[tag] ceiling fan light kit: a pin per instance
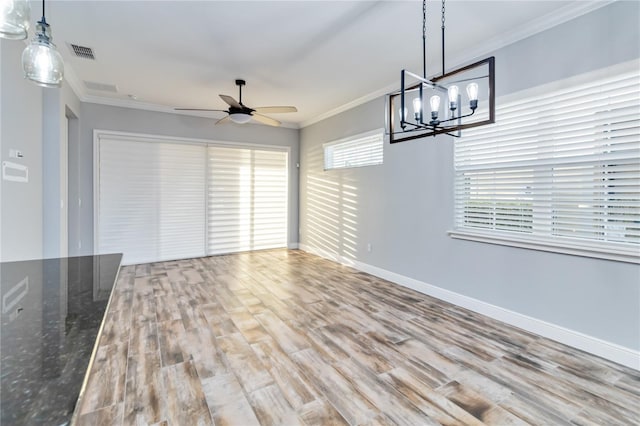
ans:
(14, 19)
(242, 114)
(240, 117)
(457, 113)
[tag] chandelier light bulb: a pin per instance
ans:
(453, 97)
(435, 103)
(417, 105)
(14, 19)
(472, 91)
(435, 106)
(417, 108)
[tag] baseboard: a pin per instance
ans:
(293, 246)
(602, 348)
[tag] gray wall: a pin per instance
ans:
(101, 117)
(404, 207)
(21, 117)
(57, 104)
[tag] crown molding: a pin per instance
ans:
(78, 88)
(535, 26)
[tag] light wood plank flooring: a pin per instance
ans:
(285, 337)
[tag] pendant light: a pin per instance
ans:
(14, 19)
(41, 61)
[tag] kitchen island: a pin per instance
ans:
(52, 311)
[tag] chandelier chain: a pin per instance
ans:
(424, 18)
(424, 38)
(443, 67)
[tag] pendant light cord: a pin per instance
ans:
(443, 37)
(43, 20)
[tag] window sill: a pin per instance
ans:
(621, 253)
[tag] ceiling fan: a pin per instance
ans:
(240, 113)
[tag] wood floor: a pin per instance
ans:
(285, 337)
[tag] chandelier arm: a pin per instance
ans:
(459, 117)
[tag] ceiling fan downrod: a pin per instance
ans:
(240, 83)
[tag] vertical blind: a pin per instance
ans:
(560, 165)
(247, 202)
(162, 200)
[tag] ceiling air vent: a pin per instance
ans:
(102, 87)
(83, 52)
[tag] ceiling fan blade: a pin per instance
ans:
(223, 120)
(232, 102)
(276, 109)
(265, 120)
(198, 109)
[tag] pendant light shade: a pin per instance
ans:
(41, 61)
(14, 19)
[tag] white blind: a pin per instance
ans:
(365, 149)
(151, 200)
(247, 199)
(563, 165)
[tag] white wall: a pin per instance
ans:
(21, 117)
(404, 207)
(102, 117)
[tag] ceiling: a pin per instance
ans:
(320, 56)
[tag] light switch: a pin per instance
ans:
(15, 153)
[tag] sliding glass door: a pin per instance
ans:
(162, 200)
(247, 199)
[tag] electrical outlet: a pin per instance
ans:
(369, 247)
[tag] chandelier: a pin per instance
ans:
(460, 111)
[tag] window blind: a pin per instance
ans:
(365, 149)
(151, 200)
(247, 199)
(562, 166)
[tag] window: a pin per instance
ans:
(364, 149)
(557, 171)
(159, 199)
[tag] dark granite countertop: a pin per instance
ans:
(51, 313)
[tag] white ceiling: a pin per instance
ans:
(316, 55)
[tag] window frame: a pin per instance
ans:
(354, 140)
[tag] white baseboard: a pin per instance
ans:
(293, 246)
(611, 351)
